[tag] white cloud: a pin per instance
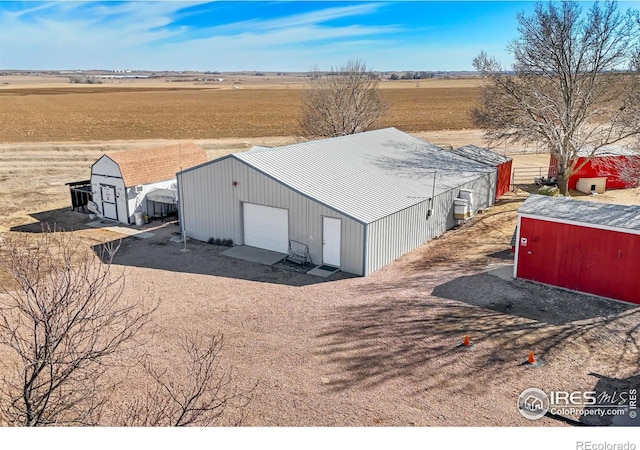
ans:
(140, 35)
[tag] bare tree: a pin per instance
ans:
(341, 102)
(61, 322)
(199, 392)
(573, 85)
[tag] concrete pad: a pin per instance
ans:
(504, 272)
(131, 232)
(317, 271)
(121, 230)
(101, 223)
(254, 254)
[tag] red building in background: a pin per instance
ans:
(583, 246)
(619, 165)
(490, 158)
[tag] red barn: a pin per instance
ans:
(619, 165)
(579, 245)
(487, 157)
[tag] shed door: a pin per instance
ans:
(266, 227)
(586, 259)
(331, 241)
(109, 208)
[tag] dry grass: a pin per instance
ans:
(353, 351)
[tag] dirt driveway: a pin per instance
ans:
(383, 350)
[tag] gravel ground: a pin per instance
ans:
(384, 350)
(376, 351)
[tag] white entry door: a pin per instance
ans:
(109, 207)
(331, 241)
(266, 227)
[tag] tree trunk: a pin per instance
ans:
(563, 185)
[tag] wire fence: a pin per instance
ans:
(528, 175)
(507, 149)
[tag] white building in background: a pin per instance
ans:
(140, 181)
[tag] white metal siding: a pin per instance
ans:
(399, 233)
(212, 209)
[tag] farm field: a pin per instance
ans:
(375, 351)
(53, 113)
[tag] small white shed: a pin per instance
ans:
(120, 181)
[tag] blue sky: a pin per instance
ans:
(254, 35)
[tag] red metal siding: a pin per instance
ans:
(503, 183)
(585, 259)
(611, 167)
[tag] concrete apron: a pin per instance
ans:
(254, 254)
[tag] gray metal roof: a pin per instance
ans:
(368, 175)
(481, 155)
(257, 148)
(587, 212)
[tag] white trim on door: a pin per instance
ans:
(331, 239)
(109, 201)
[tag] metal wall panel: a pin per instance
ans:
(585, 259)
(212, 208)
(399, 233)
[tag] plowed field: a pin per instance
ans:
(132, 113)
(375, 351)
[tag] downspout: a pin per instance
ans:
(181, 199)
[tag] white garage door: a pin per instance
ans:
(266, 227)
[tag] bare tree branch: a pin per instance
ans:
(61, 322)
(573, 86)
(342, 102)
(199, 393)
